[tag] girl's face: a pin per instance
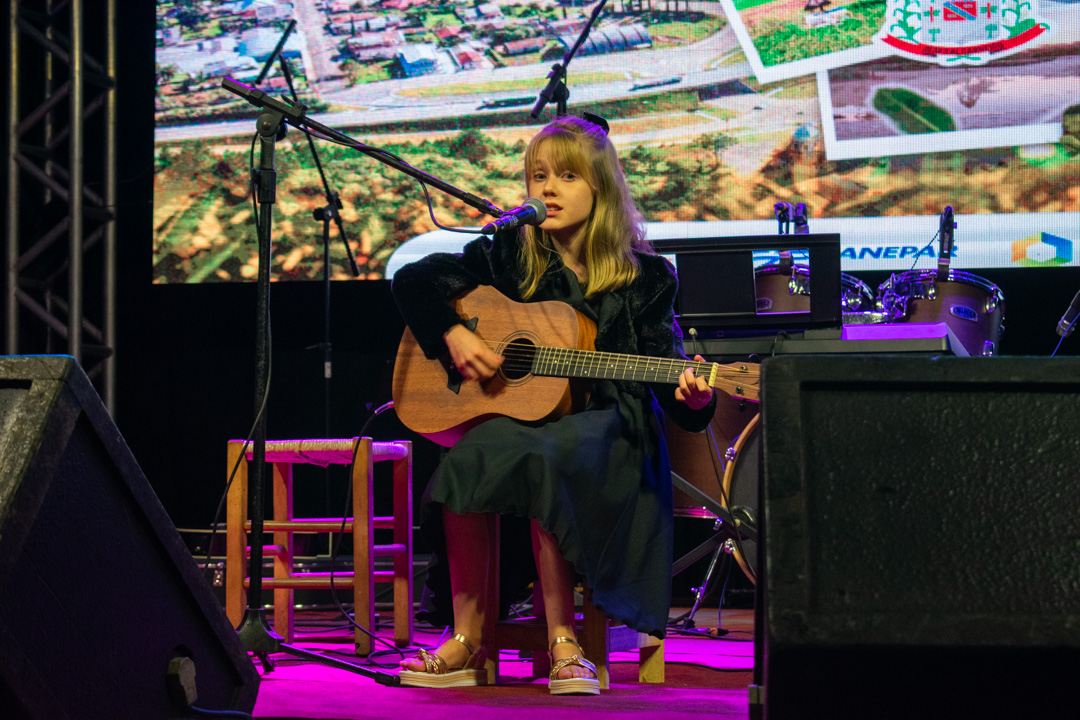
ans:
(568, 197)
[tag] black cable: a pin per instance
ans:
(356, 145)
(253, 178)
(1064, 335)
(431, 212)
(219, 713)
(782, 335)
(266, 391)
(337, 542)
(926, 247)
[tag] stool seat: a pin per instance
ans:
(362, 453)
(325, 452)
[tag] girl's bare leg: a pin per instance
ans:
(556, 581)
(468, 549)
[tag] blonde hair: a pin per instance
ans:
(615, 229)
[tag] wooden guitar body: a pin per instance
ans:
(427, 400)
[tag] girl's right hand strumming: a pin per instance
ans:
(470, 355)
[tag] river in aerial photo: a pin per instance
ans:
(1026, 89)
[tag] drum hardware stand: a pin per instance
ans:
(727, 547)
(739, 522)
(254, 632)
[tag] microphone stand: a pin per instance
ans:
(556, 88)
(254, 632)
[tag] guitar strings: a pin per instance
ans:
(521, 358)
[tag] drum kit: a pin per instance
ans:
(971, 306)
(722, 463)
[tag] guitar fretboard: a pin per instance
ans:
(563, 362)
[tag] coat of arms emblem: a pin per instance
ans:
(961, 32)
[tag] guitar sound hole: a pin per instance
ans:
(519, 355)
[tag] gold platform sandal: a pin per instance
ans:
(572, 685)
(437, 675)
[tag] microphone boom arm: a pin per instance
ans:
(296, 115)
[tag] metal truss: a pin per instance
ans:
(61, 184)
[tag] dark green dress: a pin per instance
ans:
(598, 480)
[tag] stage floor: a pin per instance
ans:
(706, 676)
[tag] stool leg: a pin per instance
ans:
(363, 536)
(235, 536)
(491, 601)
(594, 639)
(403, 562)
(541, 662)
(284, 605)
(651, 661)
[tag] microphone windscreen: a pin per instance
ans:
(539, 207)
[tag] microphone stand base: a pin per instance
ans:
(258, 638)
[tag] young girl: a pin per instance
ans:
(596, 484)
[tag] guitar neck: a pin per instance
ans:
(736, 380)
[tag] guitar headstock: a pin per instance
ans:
(741, 380)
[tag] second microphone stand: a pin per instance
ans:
(556, 88)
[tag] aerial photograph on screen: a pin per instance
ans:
(448, 87)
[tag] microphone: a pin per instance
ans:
(531, 212)
(1068, 320)
(946, 225)
(802, 225)
(783, 212)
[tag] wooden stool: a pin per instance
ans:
(596, 634)
(282, 455)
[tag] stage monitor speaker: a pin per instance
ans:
(922, 537)
(98, 594)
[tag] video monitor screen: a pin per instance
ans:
(874, 114)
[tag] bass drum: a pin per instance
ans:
(971, 306)
(735, 477)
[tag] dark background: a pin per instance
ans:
(185, 354)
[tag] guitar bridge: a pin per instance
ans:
(453, 377)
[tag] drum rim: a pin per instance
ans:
(847, 281)
(960, 276)
(776, 269)
(729, 473)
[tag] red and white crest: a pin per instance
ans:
(961, 32)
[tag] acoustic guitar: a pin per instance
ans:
(549, 358)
